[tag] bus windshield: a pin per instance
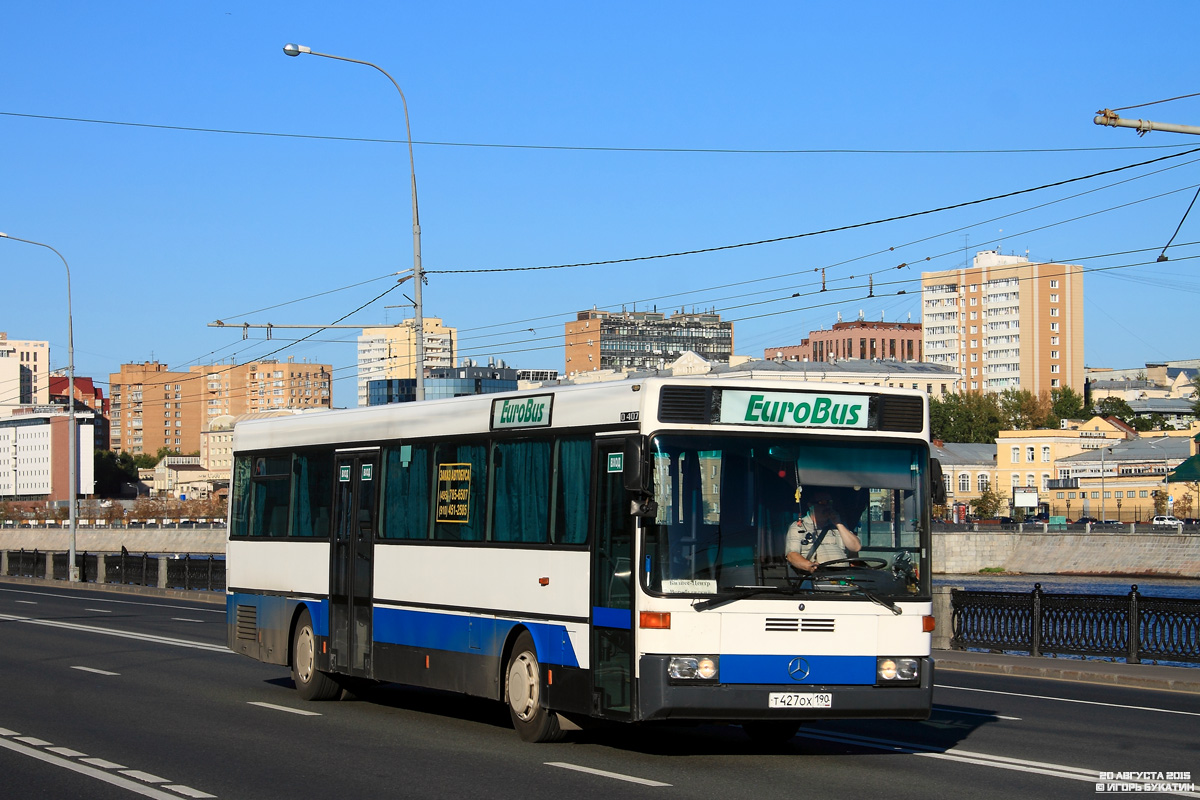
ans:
(729, 508)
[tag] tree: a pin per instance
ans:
(1196, 405)
(1115, 407)
(1022, 410)
(1183, 506)
(1065, 403)
(112, 472)
(971, 417)
(988, 504)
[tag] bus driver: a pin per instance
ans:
(819, 535)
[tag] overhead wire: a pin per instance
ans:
(586, 148)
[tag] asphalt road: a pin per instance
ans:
(105, 695)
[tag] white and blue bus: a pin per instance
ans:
(613, 551)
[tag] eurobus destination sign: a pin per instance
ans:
(794, 409)
(522, 412)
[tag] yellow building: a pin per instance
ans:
(1030, 458)
(1006, 323)
(390, 353)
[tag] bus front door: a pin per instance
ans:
(612, 592)
(350, 603)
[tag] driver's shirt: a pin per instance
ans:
(802, 534)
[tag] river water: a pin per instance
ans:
(1074, 584)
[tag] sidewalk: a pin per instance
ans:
(1139, 676)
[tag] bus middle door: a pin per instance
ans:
(612, 590)
(350, 601)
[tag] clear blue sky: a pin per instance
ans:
(168, 230)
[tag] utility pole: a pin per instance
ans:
(1142, 126)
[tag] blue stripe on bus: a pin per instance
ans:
(612, 617)
(780, 669)
(464, 634)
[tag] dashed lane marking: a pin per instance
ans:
(95, 671)
(274, 707)
(606, 774)
(132, 780)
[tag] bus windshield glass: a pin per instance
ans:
(730, 508)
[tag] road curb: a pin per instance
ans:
(215, 598)
(1137, 676)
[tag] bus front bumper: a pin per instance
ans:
(661, 698)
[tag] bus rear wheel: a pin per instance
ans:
(523, 691)
(311, 683)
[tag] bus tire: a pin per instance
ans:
(771, 731)
(311, 683)
(523, 692)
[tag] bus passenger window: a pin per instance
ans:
(406, 492)
(461, 492)
(573, 483)
(520, 491)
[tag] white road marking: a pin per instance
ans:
(184, 619)
(103, 763)
(948, 710)
(30, 740)
(220, 611)
(27, 602)
(66, 752)
(274, 707)
(1070, 700)
(99, 610)
(144, 637)
(146, 777)
(605, 774)
(968, 757)
(188, 791)
(96, 671)
(89, 771)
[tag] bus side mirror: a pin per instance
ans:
(937, 484)
(634, 469)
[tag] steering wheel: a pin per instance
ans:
(869, 563)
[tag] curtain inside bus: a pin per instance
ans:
(406, 478)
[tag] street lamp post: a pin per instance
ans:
(418, 273)
(72, 568)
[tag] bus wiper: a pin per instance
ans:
(735, 593)
(874, 598)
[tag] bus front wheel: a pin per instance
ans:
(311, 683)
(523, 690)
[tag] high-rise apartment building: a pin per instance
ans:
(27, 379)
(627, 340)
(1006, 323)
(391, 353)
(153, 407)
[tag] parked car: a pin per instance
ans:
(1166, 522)
(1085, 520)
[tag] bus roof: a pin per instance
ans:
(646, 404)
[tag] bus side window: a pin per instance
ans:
(406, 492)
(312, 497)
(461, 472)
(520, 491)
(572, 490)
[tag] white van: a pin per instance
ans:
(1166, 522)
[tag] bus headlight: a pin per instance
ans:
(897, 670)
(702, 668)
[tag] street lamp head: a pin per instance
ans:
(295, 49)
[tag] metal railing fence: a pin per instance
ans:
(204, 572)
(1130, 626)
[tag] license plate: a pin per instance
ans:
(799, 700)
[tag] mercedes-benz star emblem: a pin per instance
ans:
(798, 668)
